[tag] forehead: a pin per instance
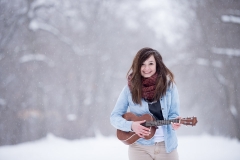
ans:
(150, 59)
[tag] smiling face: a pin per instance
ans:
(148, 67)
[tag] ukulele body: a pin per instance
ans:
(131, 137)
(151, 123)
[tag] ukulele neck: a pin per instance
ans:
(160, 122)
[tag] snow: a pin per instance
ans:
(233, 110)
(202, 61)
(165, 18)
(37, 25)
(71, 117)
(36, 57)
(104, 148)
(217, 63)
(206, 62)
(230, 18)
(1, 55)
(226, 51)
(221, 79)
(2, 102)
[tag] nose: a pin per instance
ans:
(146, 68)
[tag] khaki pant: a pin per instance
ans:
(154, 152)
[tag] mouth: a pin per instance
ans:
(147, 73)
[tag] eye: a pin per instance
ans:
(150, 63)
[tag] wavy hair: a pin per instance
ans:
(135, 78)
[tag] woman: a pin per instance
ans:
(150, 90)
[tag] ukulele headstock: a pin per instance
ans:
(192, 121)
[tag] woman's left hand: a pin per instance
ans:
(176, 125)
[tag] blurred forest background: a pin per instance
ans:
(63, 63)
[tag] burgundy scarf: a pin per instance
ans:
(148, 87)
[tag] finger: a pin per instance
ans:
(142, 121)
(140, 135)
(146, 133)
(145, 129)
(173, 125)
(179, 118)
(176, 124)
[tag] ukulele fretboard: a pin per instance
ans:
(160, 122)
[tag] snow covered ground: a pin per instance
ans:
(109, 148)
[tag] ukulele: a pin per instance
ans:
(130, 137)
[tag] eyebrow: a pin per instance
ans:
(150, 62)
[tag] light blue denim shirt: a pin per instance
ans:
(170, 110)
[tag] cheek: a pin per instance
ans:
(141, 71)
(153, 68)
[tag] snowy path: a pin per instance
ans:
(109, 148)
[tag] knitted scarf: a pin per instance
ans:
(148, 86)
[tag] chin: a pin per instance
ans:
(147, 76)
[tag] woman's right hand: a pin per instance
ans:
(140, 130)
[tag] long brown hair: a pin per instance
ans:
(135, 78)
